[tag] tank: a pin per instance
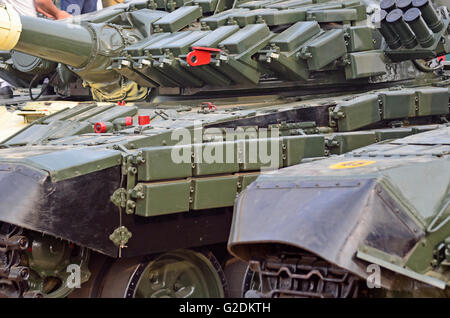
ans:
(134, 193)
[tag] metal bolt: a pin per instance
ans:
(152, 278)
(23, 243)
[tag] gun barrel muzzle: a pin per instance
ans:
(10, 27)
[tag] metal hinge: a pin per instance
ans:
(120, 236)
(124, 197)
(119, 197)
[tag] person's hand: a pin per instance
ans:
(44, 13)
(62, 15)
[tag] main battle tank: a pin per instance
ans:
(134, 196)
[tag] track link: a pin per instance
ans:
(298, 275)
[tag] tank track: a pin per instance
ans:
(13, 276)
(300, 275)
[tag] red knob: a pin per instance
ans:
(129, 121)
(100, 127)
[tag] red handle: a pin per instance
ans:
(200, 55)
(144, 120)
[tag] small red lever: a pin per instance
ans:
(210, 105)
(200, 55)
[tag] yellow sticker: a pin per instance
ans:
(351, 164)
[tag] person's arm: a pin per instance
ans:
(48, 8)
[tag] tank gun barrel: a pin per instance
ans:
(86, 48)
(66, 43)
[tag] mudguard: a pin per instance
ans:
(336, 213)
(60, 193)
